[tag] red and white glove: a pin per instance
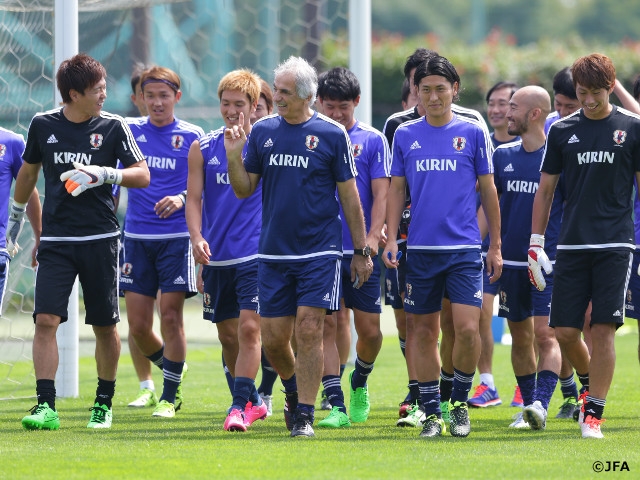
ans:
(84, 177)
(538, 260)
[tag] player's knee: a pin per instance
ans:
(467, 333)
(105, 332)
(370, 336)
(249, 333)
(228, 338)
(306, 336)
(139, 330)
(425, 332)
(567, 336)
(547, 344)
(46, 321)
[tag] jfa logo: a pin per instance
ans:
(206, 298)
(619, 136)
(459, 143)
(311, 142)
(126, 268)
(95, 139)
(357, 150)
(610, 466)
(3, 150)
(177, 141)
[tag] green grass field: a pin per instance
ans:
(194, 444)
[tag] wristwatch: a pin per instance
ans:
(365, 252)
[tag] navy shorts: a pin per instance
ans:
(519, 299)
(367, 297)
(96, 266)
(152, 265)
(227, 290)
(601, 276)
(395, 279)
(428, 274)
(286, 286)
(632, 301)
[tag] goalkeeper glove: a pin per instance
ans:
(14, 227)
(84, 177)
(538, 260)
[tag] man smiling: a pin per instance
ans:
(301, 158)
(597, 149)
(79, 228)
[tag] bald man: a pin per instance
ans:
(516, 174)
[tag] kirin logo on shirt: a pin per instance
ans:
(177, 141)
(619, 136)
(95, 139)
(459, 143)
(3, 150)
(311, 142)
(357, 150)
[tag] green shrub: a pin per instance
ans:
(480, 66)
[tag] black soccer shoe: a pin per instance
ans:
(303, 425)
(290, 406)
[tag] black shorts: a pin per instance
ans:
(598, 275)
(95, 264)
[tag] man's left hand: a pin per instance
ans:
(361, 269)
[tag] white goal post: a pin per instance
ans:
(65, 46)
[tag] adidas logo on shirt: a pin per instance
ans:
(268, 143)
(415, 145)
(478, 294)
(326, 298)
(52, 139)
(214, 161)
(508, 168)
(179, 281)
(617, 313)
(141, 138)
(573, 139)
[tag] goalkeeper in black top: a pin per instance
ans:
(77, 146)
(597, 149)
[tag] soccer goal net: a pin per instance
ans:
(199, 39)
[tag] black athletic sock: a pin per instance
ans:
(105, 391)
(584, 381)
(446, 385)
(156, 358)
(46, 392)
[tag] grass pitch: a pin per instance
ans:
(194, 444)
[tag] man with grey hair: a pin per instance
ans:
(301, 157)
